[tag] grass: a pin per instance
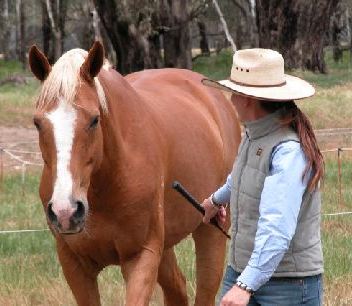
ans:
(29, 270)
(31, 275)
(330, 107)
(16, 101)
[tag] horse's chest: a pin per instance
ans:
(100, 250)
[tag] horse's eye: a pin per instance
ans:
(94, 122)
(37, 124)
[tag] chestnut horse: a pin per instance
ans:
(111, 147)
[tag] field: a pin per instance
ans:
(29, 270)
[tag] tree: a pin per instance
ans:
(21, 32)
(54, 17)
(127, 36)
(175, 18)
(138, 30)
(298, 29)
(5, 28)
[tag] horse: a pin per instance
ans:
(112, 145)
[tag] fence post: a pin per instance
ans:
(1, 167)
(339, 151)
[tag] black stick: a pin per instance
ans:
(178, 187)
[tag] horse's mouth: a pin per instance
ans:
(72, 231)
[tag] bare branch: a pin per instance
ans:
(224, 24)
(51, 17)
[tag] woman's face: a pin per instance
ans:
(241, 104)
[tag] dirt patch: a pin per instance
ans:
(22, 143)
(19, 146)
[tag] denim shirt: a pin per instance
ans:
(280, 204)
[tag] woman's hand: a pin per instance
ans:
(235, 297)
(212, 210)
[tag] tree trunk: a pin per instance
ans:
(62, 13)
(20, 33)
(5, 30)
(349, 24)
(154, 42)
(56, 10)
(46, 32)
(337, 26)
(23, 47)
(175, 17)
(297, 29)
(96, 24)
(203, 43)
(130, 38)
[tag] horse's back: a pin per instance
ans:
(201, 135)
(179, 101)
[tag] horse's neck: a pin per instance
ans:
(126, 127)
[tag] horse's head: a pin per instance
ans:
(67, 118)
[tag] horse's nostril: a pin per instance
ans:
(51, 215)
(79, 213)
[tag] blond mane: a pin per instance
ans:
(64, 79)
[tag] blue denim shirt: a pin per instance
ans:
(279, 207)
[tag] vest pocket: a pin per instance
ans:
(252, 182)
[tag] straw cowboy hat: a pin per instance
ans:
(260, 73)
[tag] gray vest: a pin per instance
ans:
(304, 256)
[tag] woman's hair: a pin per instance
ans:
(292, 116)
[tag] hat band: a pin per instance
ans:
(251, 85)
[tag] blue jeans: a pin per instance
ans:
(281, 291)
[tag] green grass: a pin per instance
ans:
(31, 275)
(330, 107)
(8, 68)
(337, 230)
(16, 101)
(29, 270)
(337, 74)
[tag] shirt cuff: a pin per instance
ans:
(253, 277)
(221, 196)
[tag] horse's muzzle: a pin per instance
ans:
(68, 221)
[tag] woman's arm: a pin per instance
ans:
(223, 194)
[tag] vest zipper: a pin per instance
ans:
(238, 195)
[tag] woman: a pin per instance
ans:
(275, 257)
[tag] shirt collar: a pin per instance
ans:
(263, 126)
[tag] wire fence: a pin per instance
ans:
(22, 162)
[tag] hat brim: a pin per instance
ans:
(294, 89)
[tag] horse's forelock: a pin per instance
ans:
(64, 79)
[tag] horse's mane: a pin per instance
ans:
(64, 78)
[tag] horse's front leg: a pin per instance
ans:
(140, 272)
(82, 278)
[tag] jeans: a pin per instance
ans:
(281, 291)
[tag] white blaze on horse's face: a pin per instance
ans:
(63, 210)
(63, 120)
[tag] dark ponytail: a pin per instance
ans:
(292, 116)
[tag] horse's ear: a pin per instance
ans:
(38, 63)
(94, 61)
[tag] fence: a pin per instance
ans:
(16, 155)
